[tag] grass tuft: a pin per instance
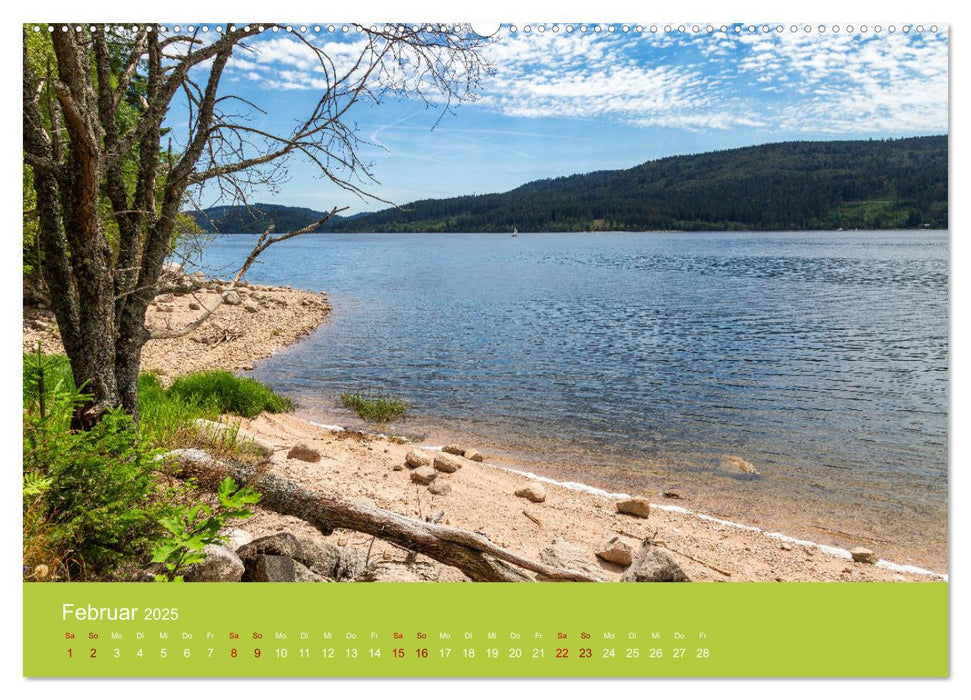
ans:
(228, 394)
(378, 409)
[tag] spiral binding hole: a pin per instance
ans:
(513, 29)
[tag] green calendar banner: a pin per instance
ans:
(534, 629)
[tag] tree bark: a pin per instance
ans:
(82, 152)
(471, 553)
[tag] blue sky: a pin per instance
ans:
(563, 102)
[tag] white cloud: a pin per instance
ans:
(793, 82)
(596, 75)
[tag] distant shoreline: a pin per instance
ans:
(793, 185)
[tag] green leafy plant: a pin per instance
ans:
(379, 409)
(91, 498)
(98, 503)
(198, 526)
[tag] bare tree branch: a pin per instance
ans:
(168, 333)
(265, 241)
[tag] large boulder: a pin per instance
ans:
(330, 561)
(440, 487)
(281, 544)
(564, 555)
(862, 555)
(270, 568)
(653, 564)
(236, 538)
(474, 455)
(220, 565)
(454, 450)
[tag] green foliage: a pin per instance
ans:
(228, 394)
(45, 376)
(95, 500)
(782, 186)
(168, 420)
(91, 500)
(378, 409)
(40, 57)
(193, 529)
(167, 417)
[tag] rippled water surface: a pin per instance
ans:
(636, 360)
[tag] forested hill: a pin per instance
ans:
(796, 185)
(255, 218)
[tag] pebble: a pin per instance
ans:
(444, 463)
(424, 475)
(417, 458)
(616, 551)
(303, 453)
(440, 487)
(533, 492)
(863, 555)
(731, 461)
(638, 507)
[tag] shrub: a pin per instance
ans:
(378, 409)
(229, 394)
(91, 500)
(96, 500)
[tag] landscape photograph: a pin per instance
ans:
(468, 303)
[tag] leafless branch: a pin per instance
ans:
(265, 241)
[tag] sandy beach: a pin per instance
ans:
(480, 496)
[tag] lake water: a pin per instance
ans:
(632, 361)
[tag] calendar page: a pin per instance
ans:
(548, 349)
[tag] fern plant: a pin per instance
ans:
(193, 529)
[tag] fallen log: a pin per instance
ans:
(476, 556)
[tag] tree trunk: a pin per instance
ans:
(471, 553)
(93, 360)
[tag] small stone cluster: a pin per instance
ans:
(278, 558)
(432, 470)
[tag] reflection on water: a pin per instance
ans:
(637, 359)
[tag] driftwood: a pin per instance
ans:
(662, 544)
(476, 556)
(165, 333)
(532, 517)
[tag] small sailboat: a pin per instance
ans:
(515, 232)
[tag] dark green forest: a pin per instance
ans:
(801, 185)
(255, 218)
